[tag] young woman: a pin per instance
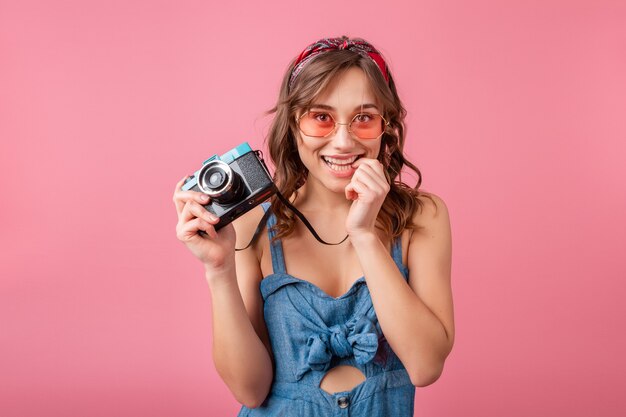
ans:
(306, 329)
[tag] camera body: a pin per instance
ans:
(235, 182)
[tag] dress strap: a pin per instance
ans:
(396, 252)
(276, 247)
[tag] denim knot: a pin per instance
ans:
(356, 337)
(339, 345)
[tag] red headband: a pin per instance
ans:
(328, 44)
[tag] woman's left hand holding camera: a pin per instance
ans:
(368, 189)
(215, 250)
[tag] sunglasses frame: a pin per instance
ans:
(334, 129)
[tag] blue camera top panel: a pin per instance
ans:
(233, 154)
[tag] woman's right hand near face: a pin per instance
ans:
(215, 250)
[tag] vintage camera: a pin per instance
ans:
(236, 182)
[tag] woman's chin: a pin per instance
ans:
(337, 185)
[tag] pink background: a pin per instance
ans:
(516, 119)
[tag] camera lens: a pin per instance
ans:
(220, 182)
(217, 178)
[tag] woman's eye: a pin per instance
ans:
(321, 117)
(363, 118)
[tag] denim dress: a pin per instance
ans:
(311, 332)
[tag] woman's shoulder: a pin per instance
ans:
(430, 216)
(430, 205)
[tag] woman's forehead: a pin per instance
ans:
(350, 90)
(353, 83)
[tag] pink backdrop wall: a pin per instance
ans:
(516, 119)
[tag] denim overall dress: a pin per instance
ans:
(311, 332)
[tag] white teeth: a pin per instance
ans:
(337, 161)
(339, 164)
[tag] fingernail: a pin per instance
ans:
(204, 197)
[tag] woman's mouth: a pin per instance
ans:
(340, 166)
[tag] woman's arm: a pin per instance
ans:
(416, 317)
(241, 349)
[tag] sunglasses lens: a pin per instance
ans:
(316, 124)
(367, 126)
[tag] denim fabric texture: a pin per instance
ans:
(311, 332)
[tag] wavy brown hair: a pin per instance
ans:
(290, 173)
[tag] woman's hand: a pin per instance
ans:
(216, 250)
(368, 189)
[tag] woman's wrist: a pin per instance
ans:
(217, 275)
(363, 239)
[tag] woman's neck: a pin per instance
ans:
(315, 196)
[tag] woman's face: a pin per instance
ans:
(329, 159)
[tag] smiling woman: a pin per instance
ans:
(328, 149)
(302, 328)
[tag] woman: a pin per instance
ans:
(295, 331)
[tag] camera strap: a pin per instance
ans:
(295, 211)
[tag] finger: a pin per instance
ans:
(359, 162)
(372, 179)
(364, 161)
(367, 171)
(194, 226)
(355, 189)
(179, 184)
(376, 169)
(197, 197)
(373, 165)
(177, 202)
(188, 231)
(351, 194)
(181, 197)
(193, 209)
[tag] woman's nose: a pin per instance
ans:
(342, 137)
